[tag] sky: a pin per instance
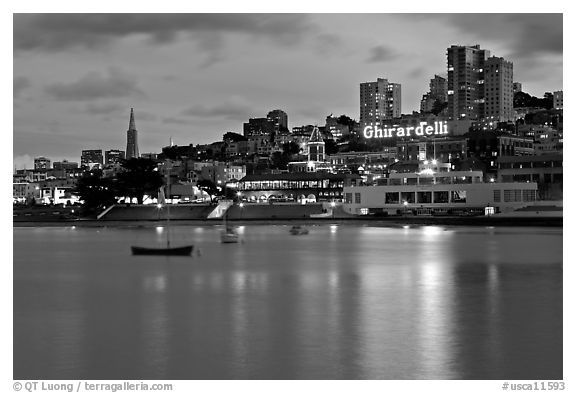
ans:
(193, 77)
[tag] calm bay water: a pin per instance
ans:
(344, 302)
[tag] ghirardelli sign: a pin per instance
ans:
(423, 129)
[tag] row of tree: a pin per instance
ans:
(137, 178)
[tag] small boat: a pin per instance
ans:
(180, 251)
(169, 251)
(298, 230)
(229, 234)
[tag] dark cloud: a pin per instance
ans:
(63, 31)
(94, 86)
(20, 83)
(526, 35)
(231, 110)
(379, 54)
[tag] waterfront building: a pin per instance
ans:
(298, 186)
(132, 138)
(91, 159)
(41, 163)
(558, 100)
(113, 156)
(545, 170)
(380, 100)
(429, 192)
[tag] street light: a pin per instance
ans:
(405, 206)
(333, 204)
(241, 206)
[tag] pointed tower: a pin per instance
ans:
(132, 136)
(316, 146)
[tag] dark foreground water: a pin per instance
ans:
(344, 302)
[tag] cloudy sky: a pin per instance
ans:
(194, 77)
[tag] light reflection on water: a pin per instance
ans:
(344, 302)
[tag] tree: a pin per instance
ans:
(140, 176)
(331, 147)
(96, 192)
(233, 137)
(209, 188)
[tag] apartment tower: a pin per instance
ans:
(380, 100)
(498, 90)
(466, 82)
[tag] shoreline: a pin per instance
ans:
(391, 221)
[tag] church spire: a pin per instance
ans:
(132, 138)
(132, 125)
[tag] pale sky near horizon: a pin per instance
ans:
(193, 77)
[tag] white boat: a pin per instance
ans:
(298, 230)
(229, 234)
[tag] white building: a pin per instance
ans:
(428, 192)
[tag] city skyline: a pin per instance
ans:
(193, 77)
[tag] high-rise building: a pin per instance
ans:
(498, 90)
(438, 93)
(558, 99)
(132, 137)
(113, 156)
(380, 100)
(280, 119)
(41, 163)
(466, 82)
(91, 158)
(516, 87)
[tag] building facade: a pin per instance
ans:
(279, 118)
(113, 156)
(91, 159)
(558, 99)
(441, 193)
(42, 163)
(380, 100)
(498, 90)
(466, 82)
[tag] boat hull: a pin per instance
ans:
(176, 251)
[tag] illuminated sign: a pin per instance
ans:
(439, 128)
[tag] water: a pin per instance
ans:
(344, 302)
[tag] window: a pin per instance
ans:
(497, 195)
(440, 196)
(392, 197)
(357, 197)
(348, 197)
(528, 195)
(458, 196)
